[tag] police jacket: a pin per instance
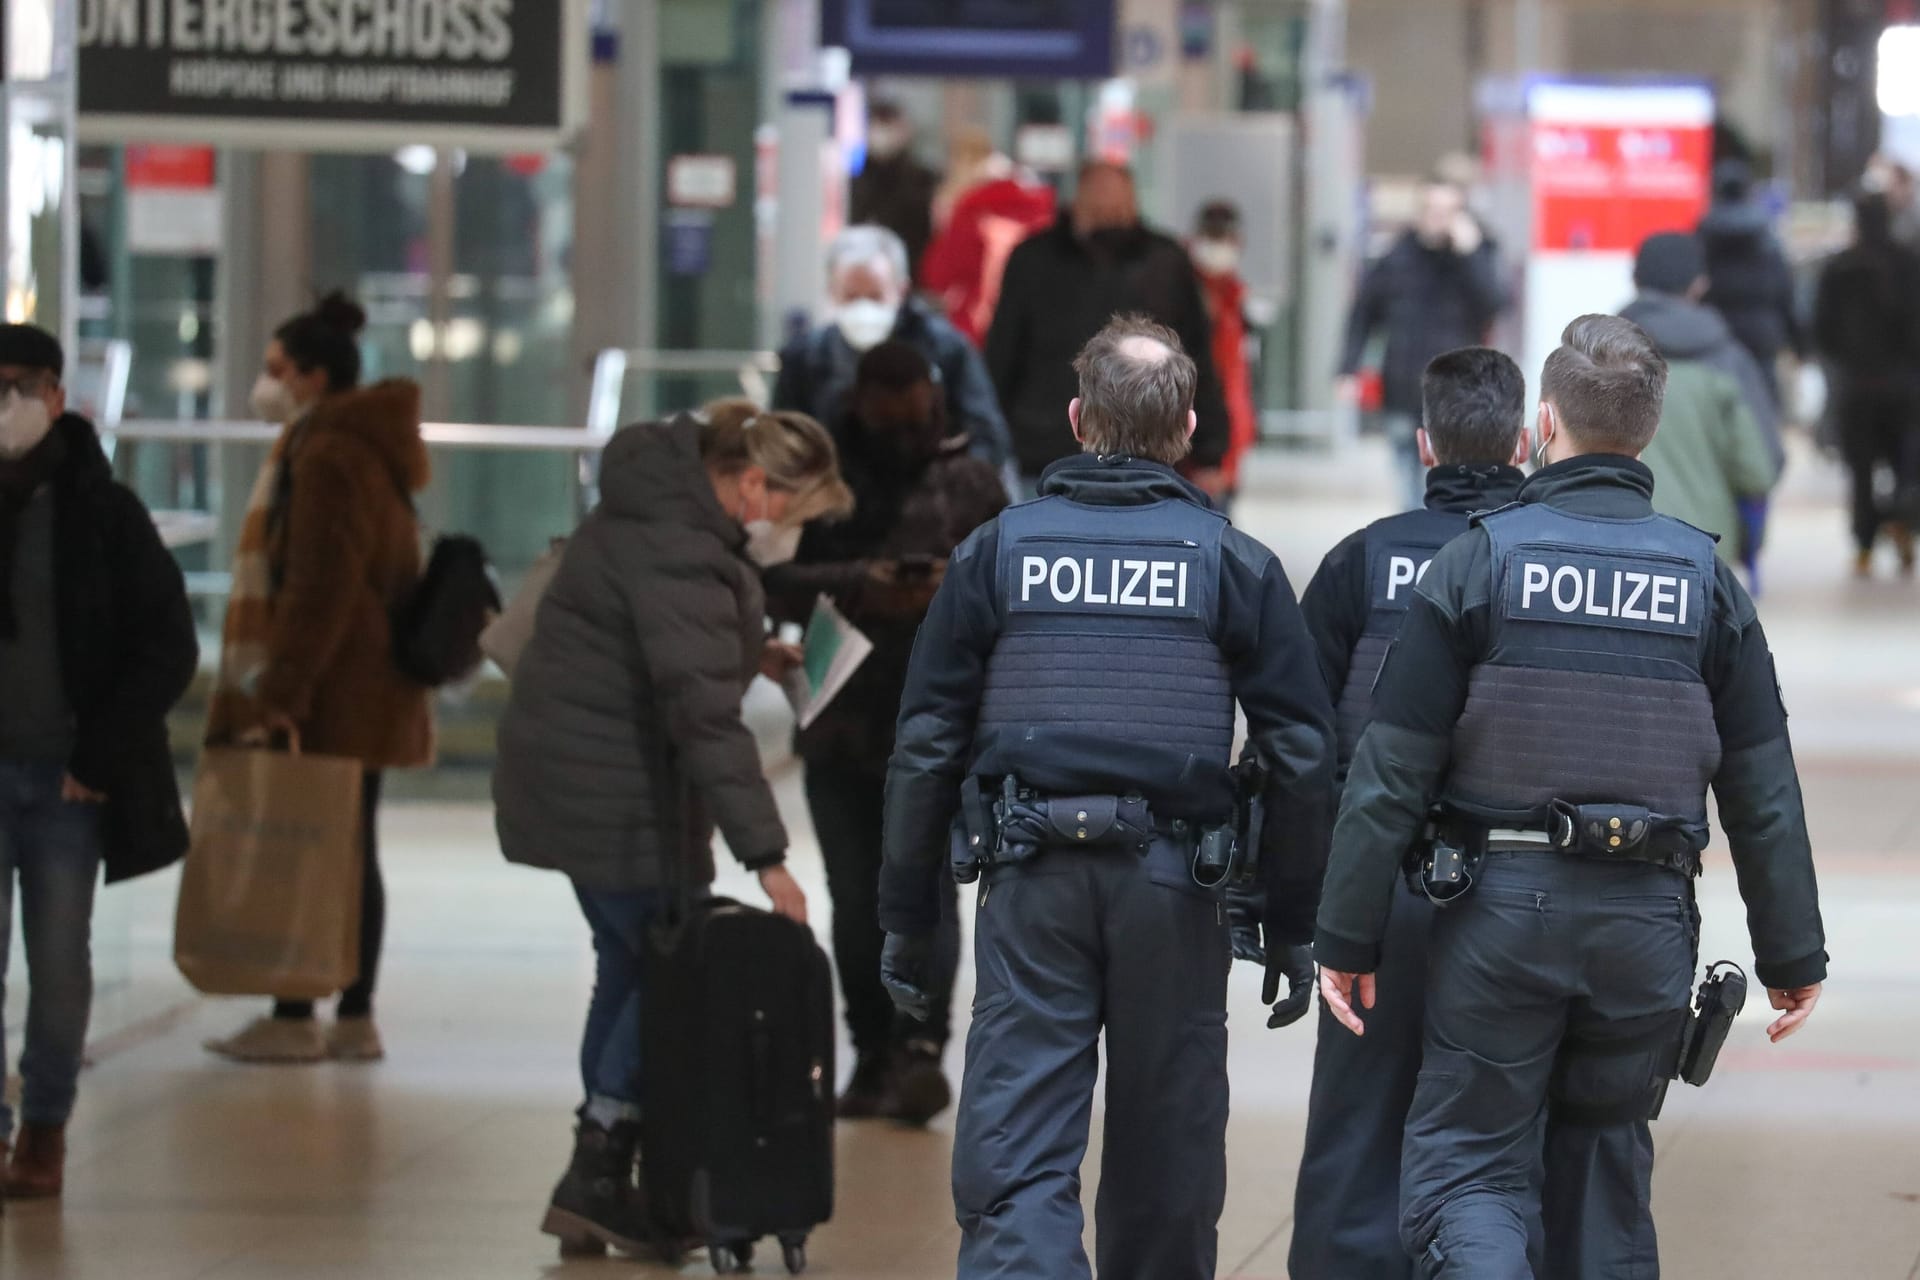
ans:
(1364, 587)
(1469, 710)
(1094, 642)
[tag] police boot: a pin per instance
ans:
(598, 1204)
(870, 1091)
(920, 1088)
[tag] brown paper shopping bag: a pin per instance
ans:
(270, 896)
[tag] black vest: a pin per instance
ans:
(1590, 691)
(1398, 550)
(1107, 676)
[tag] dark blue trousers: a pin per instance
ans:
(1556, 990)
(1067, 946)
(1346, 1206)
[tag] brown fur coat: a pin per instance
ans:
(322, 562)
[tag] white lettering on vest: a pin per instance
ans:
(1079, 580)
(1072, 593)
(1638, 581)
(1667, 597)
(1403, 571)
(1533, 582)
(1160, 586)
(1566, 573)
(1033, 572)
(1093, 598)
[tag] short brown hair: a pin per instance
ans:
(1607, 381)
(1136, 390)
(796, 452)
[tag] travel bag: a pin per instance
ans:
(737, 1078)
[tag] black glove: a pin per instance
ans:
(1297, 964)
(1244, 909)
(906, 963)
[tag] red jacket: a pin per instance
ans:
(1226, 302)
(964, 263)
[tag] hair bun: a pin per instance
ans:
(337, 311)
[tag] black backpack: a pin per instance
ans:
(437, 626)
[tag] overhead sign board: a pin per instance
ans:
(1020, 38)
(491, 75)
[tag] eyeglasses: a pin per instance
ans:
(27, 385)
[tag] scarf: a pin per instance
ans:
(245, 636)
(20, 479)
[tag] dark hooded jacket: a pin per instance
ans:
(623, 741)
(1751, 284)
(127, 650)
(817, 373)
(1058, 292)
(1427, 301)
(912, 507)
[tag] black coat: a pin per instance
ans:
(901, 512)
(1751, 285)
(1866, 318)
(128, 651)
(1058, 291)
(1428, 301)
(817, 373)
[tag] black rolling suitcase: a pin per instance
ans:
(737, 1080)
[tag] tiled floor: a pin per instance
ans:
(1799, 1161)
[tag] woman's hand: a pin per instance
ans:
(784, 890)
(778, 659)
(273, 724)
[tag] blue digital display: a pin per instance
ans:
(1071, 39)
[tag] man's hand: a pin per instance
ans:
(72, 792)
(1346, 391)
(1798, 1004)
(1296, 965)
(1338, 988)
(906, 966)
(1466, 234)
(784, 890)
(1244, 910)
(778, 659)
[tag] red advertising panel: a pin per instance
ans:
(1613, 165)
(175, 167)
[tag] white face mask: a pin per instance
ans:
(865, 324)
(271, 401)
(885, 141)
(1216, 257)
(769, 544)
(24, 423)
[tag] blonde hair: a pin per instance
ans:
(795, 451)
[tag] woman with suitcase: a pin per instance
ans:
(623, 744)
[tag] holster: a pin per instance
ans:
(1625, 832)
(975, 840)
(1029, 823)
(1251, 778)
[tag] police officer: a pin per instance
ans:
(1346, 1204)
(1077, 675)
(1572, 675)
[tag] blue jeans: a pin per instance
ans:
(54, 849)
(610, 1050)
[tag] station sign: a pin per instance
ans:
(487, 75)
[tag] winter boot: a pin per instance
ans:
(869, 1092)
(920, 1088)
(598, 1204)
(39, 1163)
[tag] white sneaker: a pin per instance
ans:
(355, 1040)
(270, 1039)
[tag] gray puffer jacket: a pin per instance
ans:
(623, 736)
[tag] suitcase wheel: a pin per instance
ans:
(794, 1253)
(731, 1259)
